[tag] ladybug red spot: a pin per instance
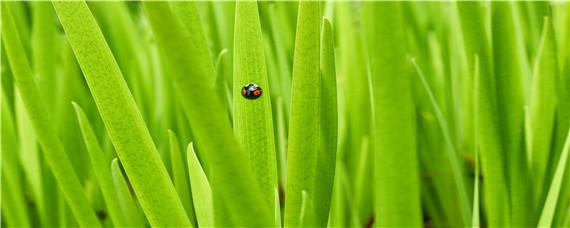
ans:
(256, 92)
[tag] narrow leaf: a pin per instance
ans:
(452, 154)
(101, 170)
(122, 119)
(53, 150)
(201, 190)
(543, 109)
(129, 207)
(253, 121)
(180, 175)
(305, 106)
(397, 203)
(549, 207)
(326, 156)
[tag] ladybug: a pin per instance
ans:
(251, 91)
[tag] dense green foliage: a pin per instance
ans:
(387, 114)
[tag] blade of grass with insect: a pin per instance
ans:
(543, 110)
(451, 152)
(306, 94)
(122, 119)
(549, 207)
(53, 149)
(396, 203)
(13, 206)
(472, 17)
(201, 190)
(129, 207)
(231, 174)
(253, 121)
(100, 166)
(180, 176)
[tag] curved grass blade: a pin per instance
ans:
(180, 176)
(543, 109)
(193, 73)
(306, 97)
(100, 166)
(122, 119)
(253, 121)
(549, 208)
(396, 203)
(53, 150)
(452, 154)
(326, 156)
(129, 208)
(201, 190)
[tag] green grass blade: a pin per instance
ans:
(253, 121)
(305, 213)
(129, 208)
(452, 154)
(543, 109)
(225, 91)
(396, 203)
(305, 106)
(476, 219)
(122, 119)
(54, 152)
(180, 175)
(277, 209)
(325, 159)
(201, 190)
(508, 55)
(549, 208)
(100, 166)
(473, 17)
(13, 197)
(193, 73)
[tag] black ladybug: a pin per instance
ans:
(251, 91)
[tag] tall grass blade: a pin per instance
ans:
(543, 109)
(193, 73)
(508, 56)
(476, 218)
(201, 190)
(101, 169)
(180, 175)
(122, 119)
(452, 154)
(129, 207)
(13, 200)
(54, 152)
(396, 203)
(253, 121)
(328, 139)
(476, 38)
(304, 133)
(549, 207)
